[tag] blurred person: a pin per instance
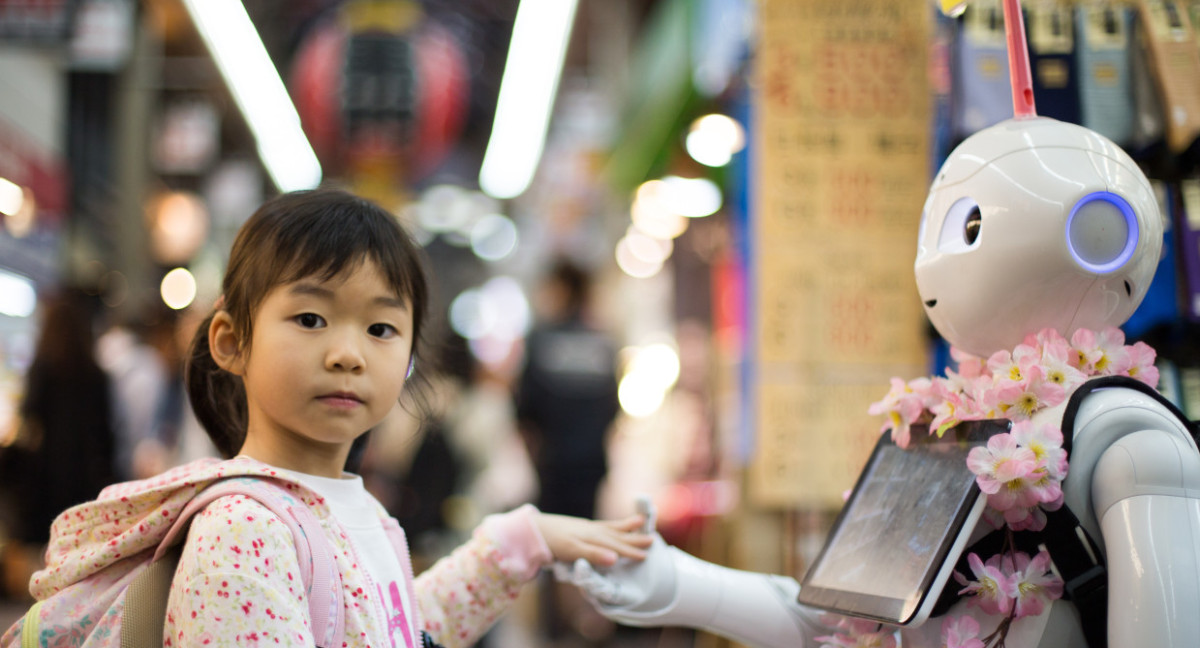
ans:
(138, 376)
(566, 400)
(566, 396)
(154, 424)
(63, 454)
(481, 425)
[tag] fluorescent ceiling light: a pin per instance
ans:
(535, 57)
(258, 91)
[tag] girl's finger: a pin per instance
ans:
(628, 545)
(627, 524)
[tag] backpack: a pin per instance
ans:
(139, 593)
(111, 561)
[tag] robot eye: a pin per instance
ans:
(960, 229)
(1102, 232)
(971, 227)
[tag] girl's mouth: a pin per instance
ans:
(341, 400)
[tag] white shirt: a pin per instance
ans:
(357, 511)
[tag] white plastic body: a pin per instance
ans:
(684, 591)
(1134, 483)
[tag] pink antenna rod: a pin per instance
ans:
(1018, 61)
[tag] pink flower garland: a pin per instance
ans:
(1021, 471)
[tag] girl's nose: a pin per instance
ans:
(345, 354)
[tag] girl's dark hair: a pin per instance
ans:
(319, 233)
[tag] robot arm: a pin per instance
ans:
(1137, 469)
(1145, 494)
(673, 588)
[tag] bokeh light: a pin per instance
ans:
(178, 288)
(494, 237)
(18, 298)
(651, 373)
(692, 197)
(713, 139)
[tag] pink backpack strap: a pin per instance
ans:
(400, 543)
(318, 570)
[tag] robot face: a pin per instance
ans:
(1035, 223)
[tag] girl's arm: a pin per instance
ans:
(238, 581)
(463, 594)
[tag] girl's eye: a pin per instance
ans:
(382, 331)
(309, 320)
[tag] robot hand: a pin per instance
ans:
(673, 588)
(630, 592)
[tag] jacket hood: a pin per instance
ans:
(128, 518)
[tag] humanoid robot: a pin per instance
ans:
(1031, 224)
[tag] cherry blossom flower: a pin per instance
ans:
(969, 366)
(1056, 363)
(995, 400)
(1086, 351)
(961, 632)
(1018, 493)
(1013, 367)
(950, 406)
(1045, 441)
(903, 405)
(1001, 461)
(1036, 394)
(1104, 351)
(1034, 584)
(856, 633)
(1023, 518)
(1141, 363)
(992, 590)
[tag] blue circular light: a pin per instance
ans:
(1131, 238)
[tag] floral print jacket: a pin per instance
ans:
(236, 583)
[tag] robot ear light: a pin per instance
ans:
(961, 227)
(1102, 232)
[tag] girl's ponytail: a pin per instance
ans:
(218, 397)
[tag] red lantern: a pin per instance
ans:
(381, 101)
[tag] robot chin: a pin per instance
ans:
(970, 317)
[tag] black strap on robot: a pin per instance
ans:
(1125, 382)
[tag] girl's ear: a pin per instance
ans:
(224, 345)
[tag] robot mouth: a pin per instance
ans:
(930, 303)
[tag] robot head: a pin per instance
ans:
(1035, 223)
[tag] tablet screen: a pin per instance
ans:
(891, 541)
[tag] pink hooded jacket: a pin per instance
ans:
(236, 582)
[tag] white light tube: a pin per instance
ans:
(535, 58)
(258, 91)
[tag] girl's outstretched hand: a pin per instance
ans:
(598, 542)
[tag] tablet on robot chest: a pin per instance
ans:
(894, 544)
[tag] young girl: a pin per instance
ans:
(310, 346)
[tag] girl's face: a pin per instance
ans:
(327, 361)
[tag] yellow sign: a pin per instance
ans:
(843, 137)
